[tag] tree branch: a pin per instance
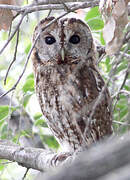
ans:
(39, 159)
(109, 160)
(39, 2)
(101, 161)
(34, 8)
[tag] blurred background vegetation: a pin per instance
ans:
(25, 98)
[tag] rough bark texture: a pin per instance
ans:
(109, 160)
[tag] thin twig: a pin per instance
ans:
(111, 73)
(14, 59)
(37, 12)
(49, 13)
(10, 30)
(121, 87)
(121, 123)
(65, 6)
(25, 174)
(29, 54)
(25, 65)
(9, 115)
(12, 35)
(127, 93)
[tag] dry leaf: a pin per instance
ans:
(6, 15)
(115, 14)
(109, 30)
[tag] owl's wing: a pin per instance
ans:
(92, 116)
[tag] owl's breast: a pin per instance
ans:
(66, 96)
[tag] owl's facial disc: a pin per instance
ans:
(65, 41)
(74, 40)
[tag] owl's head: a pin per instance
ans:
(64, 41)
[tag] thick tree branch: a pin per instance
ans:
(106, 161)
(101, 161)
(54, 5)
(34, 8)
(35, 158)
(57, 1)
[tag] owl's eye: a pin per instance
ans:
(50, 40)
(75, 39)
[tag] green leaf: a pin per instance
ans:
(30, 76)
(94, 12)
(29, 85)
(37, 116)
(16, 138)
(4, 132)
(22, 133)
(123, 112)
(25, 133)
(127, 88)
(1, 122)
(5, 35)
(2, 161)
(28, 48)
(27, 98)
(121, 109)
(96, 23)
(121, 67)
(122, 99)
(102, 39)
(108, 64)
(50, 141)
(4, 111)
(39, 121)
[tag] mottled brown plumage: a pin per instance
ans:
(68, 83)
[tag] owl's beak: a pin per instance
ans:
(62, 52)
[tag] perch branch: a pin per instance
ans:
(35, 158)
(105, 161)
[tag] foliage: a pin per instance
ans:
(25, 92)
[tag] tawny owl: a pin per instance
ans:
(68, 83)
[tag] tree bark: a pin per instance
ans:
(109, 160)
